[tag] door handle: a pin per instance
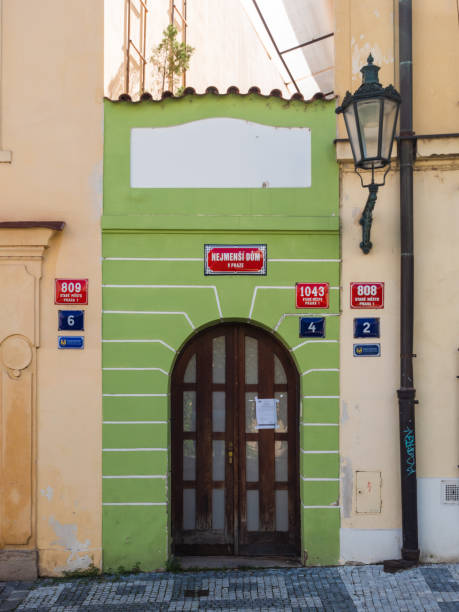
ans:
(230, 452)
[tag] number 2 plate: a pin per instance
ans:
(366, 327)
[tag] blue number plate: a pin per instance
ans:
(70, 342)
(367, 350)
(366, 327)
(71, 320)
(312, 327)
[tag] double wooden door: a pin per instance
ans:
(234, 486)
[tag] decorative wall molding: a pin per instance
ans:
(22, 249)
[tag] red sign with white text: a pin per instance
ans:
(312, 295)
(71, 291)
(367, 295)
(235, 259)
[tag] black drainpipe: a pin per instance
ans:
(406, 393)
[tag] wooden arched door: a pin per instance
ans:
(235, 486)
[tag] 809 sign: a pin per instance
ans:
(71, 291)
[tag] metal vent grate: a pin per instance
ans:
(450, 491)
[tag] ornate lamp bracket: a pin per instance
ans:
(366, 219)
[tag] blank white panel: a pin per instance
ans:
(220, 153)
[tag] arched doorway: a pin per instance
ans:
(235, 486)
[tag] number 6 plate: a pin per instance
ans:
(71, 320)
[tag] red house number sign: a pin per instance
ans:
(312, 295)
(71, 291)
(367, 295)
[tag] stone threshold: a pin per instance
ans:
(233, 562)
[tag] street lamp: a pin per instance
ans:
(370, 115)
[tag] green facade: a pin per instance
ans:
(156, 297)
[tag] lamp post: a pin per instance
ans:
(370, 115)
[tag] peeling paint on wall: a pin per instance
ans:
(360, 52)
(344, 414)
(95, 186)
(48, 493)
(67, 537)
(347, 488)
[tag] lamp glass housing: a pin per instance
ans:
(352, 131)
(371, 115)
(390, 114)
(368, 114)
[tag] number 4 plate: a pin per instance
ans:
(312, 327)
(71, 320)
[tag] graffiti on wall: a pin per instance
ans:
(408, 440)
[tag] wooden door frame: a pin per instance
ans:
(237, 375)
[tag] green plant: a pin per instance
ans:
(173, 565)
(136, 568)
(170, 59)
(123, 571)
(89, 572)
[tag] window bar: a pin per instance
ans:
(144, 15)
(143, 10)
(128, 46)
(310, 42)
(182, 15)
(260, 14)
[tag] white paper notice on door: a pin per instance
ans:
(266, 413)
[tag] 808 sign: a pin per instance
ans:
(367, 295)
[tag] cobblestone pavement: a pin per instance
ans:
(428, 587)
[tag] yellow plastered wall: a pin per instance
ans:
(52, 122)
(369, 407)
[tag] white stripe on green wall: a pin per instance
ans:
(133, 450)
(135, 370)
(142, 476)
(171, 287)
(150, 312)
(134, 503)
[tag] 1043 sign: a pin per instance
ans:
(312, 295)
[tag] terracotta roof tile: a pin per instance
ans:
(232, 90)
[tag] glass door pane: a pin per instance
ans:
(253, 511)
(218, 411)
(251, 461)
